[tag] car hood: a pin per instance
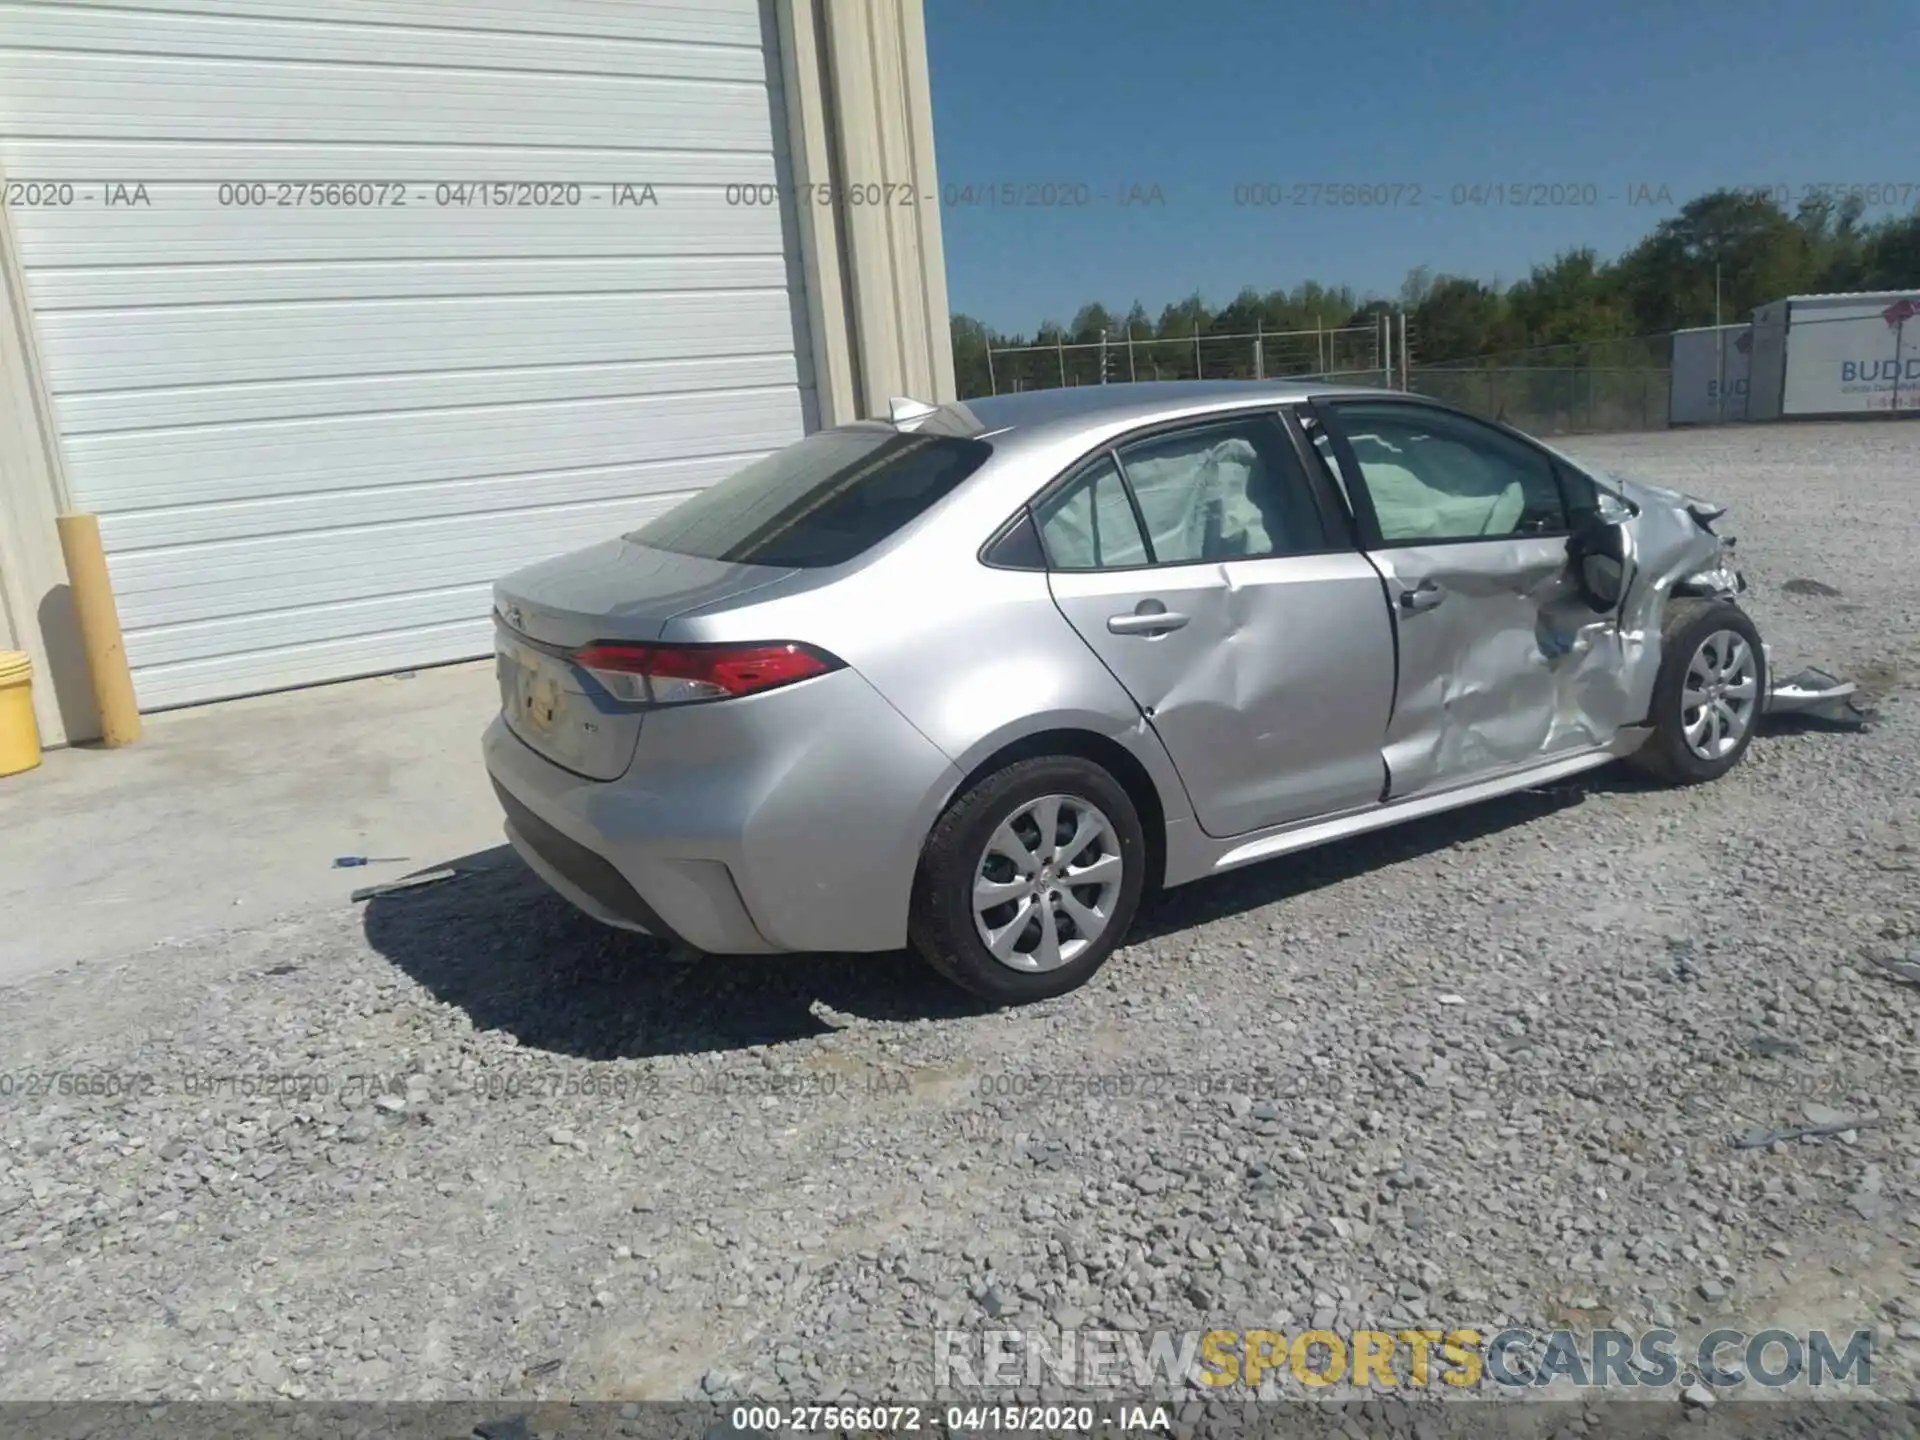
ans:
(1673, 534)
(1645, 493)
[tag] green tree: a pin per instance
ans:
(1244, 315)
(1093, 324)
(1664, 282)
(1757, 252)
(1890, 254)
(1173, 355)
(1574, 298)
(1838, 239)
(1090, 323)
(1461, 318)
(970, 373)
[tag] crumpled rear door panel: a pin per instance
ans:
(1273, 694)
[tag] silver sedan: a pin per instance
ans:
(976, 677)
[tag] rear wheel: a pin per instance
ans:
(1709, 695)
(1029, 880)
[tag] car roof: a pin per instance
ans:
(1034, 414)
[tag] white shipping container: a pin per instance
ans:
(1769, 362)
(1708, 381)
(1852, 355)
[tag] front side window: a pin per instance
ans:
(1432, 475)
(821, 501)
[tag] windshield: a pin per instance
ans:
(820, 501)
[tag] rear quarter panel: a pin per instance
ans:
(974, 658)
(816, 795)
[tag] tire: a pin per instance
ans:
(943, 924)
(1669, 753)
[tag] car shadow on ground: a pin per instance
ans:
(499, 944)
(515, 957)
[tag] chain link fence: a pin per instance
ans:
(1591, 387)
(1359, 354)
(1588, 388)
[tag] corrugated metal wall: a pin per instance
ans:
(316, 433)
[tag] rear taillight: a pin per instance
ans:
(676, 674)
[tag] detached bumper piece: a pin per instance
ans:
(1817, 694)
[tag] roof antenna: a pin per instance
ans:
(904, 413)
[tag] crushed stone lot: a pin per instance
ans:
(1480, 1070)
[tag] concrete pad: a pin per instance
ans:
(226, 815)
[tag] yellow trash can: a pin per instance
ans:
(19, 735)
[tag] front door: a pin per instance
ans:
(1199, 568)
(1468, 526)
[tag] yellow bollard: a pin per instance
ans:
(19, 734)
(99, 628)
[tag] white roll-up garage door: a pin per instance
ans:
(348, 307)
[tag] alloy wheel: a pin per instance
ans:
(1047, 883)
(1721, 694)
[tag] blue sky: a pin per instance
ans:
(1203, 96)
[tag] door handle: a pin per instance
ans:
(1423, 596)
(1145, 622)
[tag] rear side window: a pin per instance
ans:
(1090, 525)
(1223, 492)
(819, 502)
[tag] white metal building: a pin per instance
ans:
(335, 310)
(1836, 355)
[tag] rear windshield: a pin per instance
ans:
(820, 501)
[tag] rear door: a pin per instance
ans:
(1200, 566)
(1468, 524)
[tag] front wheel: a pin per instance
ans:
(1029, 880)
(1709, 695)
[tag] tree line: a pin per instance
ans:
(1664, 283)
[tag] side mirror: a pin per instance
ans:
(1598, 555)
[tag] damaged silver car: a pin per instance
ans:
(975, 677)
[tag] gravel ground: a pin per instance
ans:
(1483, 1069)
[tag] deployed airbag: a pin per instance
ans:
(1410, 509)
(1199, 504)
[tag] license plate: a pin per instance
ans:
(532, 693)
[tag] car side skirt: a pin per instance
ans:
(1231, 855)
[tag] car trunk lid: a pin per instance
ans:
(616, 591)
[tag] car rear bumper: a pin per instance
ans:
(586, 878)
(790, 821)
(553, 821)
